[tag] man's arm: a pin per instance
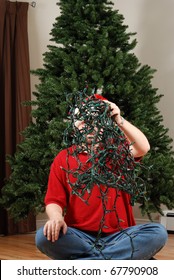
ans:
(140, 145)
(55, 223)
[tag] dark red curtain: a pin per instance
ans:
(14, 89)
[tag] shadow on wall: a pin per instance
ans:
(157, 50)
(157, 24)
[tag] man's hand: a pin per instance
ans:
(52, 229)
(115, 112)
(56, 222)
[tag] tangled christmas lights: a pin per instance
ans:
(110, 162)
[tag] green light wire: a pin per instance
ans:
(110, 162)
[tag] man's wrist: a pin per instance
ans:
(121, 121)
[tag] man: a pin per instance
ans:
(95, 223)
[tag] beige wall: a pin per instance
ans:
(154, 23)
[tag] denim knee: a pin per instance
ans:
(162, 232)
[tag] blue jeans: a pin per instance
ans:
(140, 242)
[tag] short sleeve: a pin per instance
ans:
(56, 190)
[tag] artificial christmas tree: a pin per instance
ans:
(93, 48)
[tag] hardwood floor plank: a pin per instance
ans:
(22, 247)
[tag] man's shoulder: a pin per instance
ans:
(63, 153)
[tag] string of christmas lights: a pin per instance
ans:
(110, 162)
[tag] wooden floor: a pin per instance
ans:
(22, 247)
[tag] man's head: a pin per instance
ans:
(88, 117)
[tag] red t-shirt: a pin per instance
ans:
(84, 216)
